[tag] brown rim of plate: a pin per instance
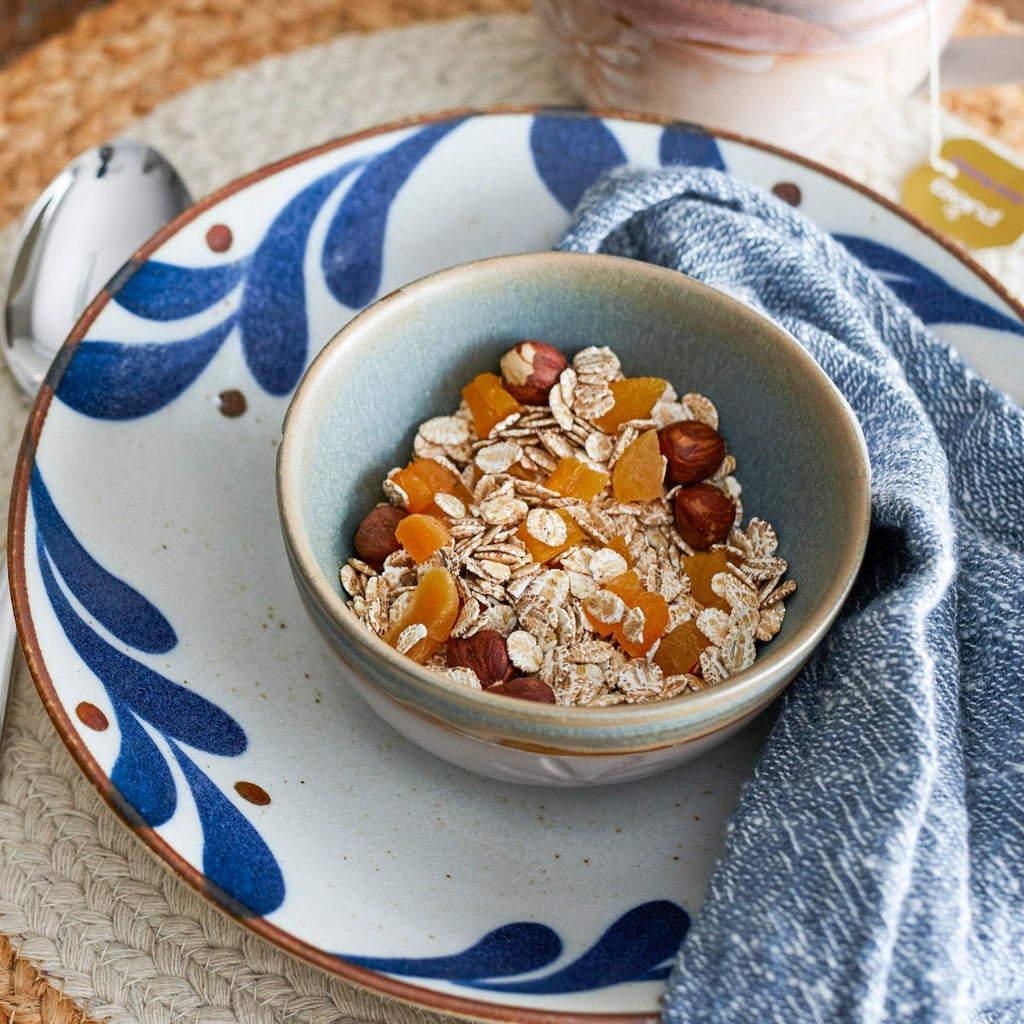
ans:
(374, 981)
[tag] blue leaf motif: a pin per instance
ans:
(121, 609)
(108, 380)
(168, 706)
(272, 314)
(690, 147)
(925, 292)
(354, 248)
(164, 291)
(141, 774)
(512, 949)
(639, 946)
(235, 857)
(571, 153)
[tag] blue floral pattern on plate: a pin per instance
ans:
(235, 857)
(327, 233)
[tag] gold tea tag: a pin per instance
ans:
(970, 194)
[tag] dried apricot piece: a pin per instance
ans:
(435, 606)
(624, 584)
(680, 649)
(543, 552)
(421, 535)
(634, 400)
(654, 606)
(618, 543)
(489, 402)
(423, 478)
(639, 472)
(574, 479)
(656, 619)
(701, 567)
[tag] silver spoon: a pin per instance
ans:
(80, 231)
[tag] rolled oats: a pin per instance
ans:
(547, 526)
(524, 651)
(601, 622)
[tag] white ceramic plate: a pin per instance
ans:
(155, 604)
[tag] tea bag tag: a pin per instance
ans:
(964, 190)
(969, 193)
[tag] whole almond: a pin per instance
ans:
(530, 370)
(704, 515)
(693, 450)
(375, 536)
(484, 652)
(525, 688)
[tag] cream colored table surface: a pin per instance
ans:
(79, 894)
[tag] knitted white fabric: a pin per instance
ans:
(79, 894)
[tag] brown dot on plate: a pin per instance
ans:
(91, 717)
(253, 793)
(219, 238)
(231, 403)
(788, 192)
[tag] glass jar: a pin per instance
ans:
(790, 72)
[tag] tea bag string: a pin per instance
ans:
(938, 164)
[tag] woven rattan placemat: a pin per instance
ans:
(89, 910)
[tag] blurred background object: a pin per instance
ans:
(24, 22)
(796, 73)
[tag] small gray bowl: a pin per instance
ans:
(801, 460)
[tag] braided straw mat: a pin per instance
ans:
(92, 926)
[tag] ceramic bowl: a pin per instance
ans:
(802, 464)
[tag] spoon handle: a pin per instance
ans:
(8, 639)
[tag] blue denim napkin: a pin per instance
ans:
(874, 868)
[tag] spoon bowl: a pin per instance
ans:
(88, 221)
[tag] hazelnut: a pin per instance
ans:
(525, 688)
(693, 450)
(484, 652)
(530, 370)
(704, 515)
(375, 537)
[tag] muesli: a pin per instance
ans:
(572, 536)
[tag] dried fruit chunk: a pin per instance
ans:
(375, 536)
(435, 606)
(618, 543)
(421, 535)
(700, 568)
(624, 583)
(530, 370)
(654, 608)
(542, 552)
(574, 479)
(422, 479)
(679, 651)
(634, 400)
(704, 515)
(639, 472)
(693, 450)
(489, 402)
(656, 620)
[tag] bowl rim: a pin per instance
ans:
(544, 727)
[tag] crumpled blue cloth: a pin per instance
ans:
(874, 868)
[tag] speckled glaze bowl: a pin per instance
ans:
(801, 456)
